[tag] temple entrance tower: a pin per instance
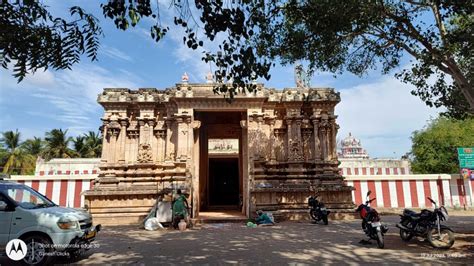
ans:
(269, 149)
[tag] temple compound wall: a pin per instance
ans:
(269, 149)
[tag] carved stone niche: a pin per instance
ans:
(144, 153)
(113, 128)
(296, 154)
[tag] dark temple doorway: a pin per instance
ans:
(220, 160)
(223, 182)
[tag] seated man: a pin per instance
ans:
(263, 219)
(180, 208)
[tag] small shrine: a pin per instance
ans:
(352, 148)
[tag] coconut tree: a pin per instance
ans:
(57, 144)
(94, 143)
(80, 146)
(33, 146)
(17, 160)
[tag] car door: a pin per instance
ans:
(6, 215)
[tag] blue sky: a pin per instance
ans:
(377, 109)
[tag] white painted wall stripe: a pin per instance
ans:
(364, 188)
(447, 193)
(71, 185)
(56, 191)
(421, 193)
(467, 186)
(434, 191)
(379, 191)
(86, 185)
(28, 183)
(407, 193)
(42, 187)
(393, 194)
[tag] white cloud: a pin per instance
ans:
(383, 114)
(69, 96)
(114, 53)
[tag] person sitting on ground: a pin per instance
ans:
(263, 219)
(180, 208)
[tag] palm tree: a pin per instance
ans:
(17, 160)
(57, 144)
(80, 146)
(94, 143)
(33, 146)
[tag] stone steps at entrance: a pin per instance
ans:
(220, 217)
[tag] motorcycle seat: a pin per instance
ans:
(412, 214)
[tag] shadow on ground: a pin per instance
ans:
(289, 242)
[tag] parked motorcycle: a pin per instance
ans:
(317, 210)
(371, 223)
(427, 224)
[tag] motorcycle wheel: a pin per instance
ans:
(405, 235)
(314, 216)
(380, 243)
(325, 219)
(444, 242)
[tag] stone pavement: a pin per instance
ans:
(285, 243)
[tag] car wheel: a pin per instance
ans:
(38, 248)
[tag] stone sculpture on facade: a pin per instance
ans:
(144, 153)
(302, 79)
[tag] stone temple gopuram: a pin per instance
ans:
(269, 149)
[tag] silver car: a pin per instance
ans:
(47, 229)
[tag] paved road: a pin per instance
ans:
(285, 243)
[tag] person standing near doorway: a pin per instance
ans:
(180, 208)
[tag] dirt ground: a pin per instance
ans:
(285, 243)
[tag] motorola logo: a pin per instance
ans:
(16, 249)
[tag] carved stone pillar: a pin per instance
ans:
(289, 135)
(133, 136)
(113, 132)
(162, 145)
(183, 133)
(306, 132)
(334, 139)
(271, 123)
(260, 141)
(195, 125)
(254, 136)
(141, 138)
(190, 140)
(328, 142)
(280, 143)
(160, 133)
(151, 138)
(299, 136)
(122, 141)
(170, 148)
(324, 146)
(317, 141)
(105, 142)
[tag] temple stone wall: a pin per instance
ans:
(153, 144)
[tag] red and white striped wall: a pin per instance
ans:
(411, 191)
(370, 171)
(390, 191)
(63, 190)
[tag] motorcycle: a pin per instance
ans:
(427, 224)
(371, 223)
(317, 210)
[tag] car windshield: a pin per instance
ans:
(25, 196)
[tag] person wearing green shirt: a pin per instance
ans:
(180, 208)
(263, 219)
